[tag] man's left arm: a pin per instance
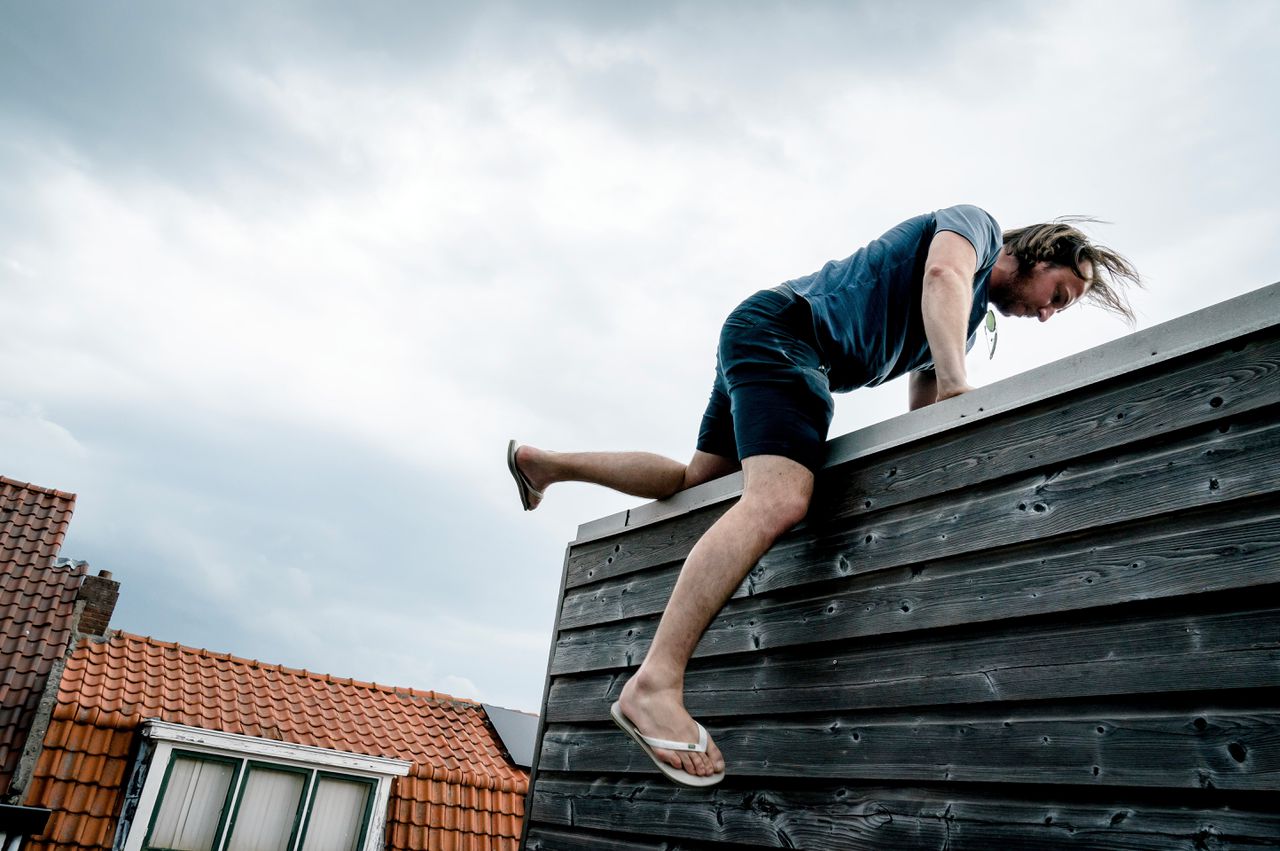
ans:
(923, 389)
(945, 303)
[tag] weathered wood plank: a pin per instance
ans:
(1025, 661)
(1207, 387)
(637, 549)
(1086, 571)
(544, 839)
(1203, 468)
(1222, 749)
(875, 818)
(1160, 540)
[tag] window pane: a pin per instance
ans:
(268, 806)
(336, 815)
(192, 805)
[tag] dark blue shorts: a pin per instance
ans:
(771, 395)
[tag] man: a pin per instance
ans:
(909, 302)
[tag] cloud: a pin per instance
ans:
(26, 432)
(288, 278)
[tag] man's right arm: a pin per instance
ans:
(945, 301)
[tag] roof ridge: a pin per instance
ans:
(37, 488)
(71, 568)
(284, 669)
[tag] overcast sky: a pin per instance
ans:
(279, 280)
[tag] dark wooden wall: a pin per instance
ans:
(1056, 627)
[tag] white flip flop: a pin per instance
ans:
(527, 492)
(648, 743)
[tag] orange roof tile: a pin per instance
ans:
(461, 794)
(37, 607)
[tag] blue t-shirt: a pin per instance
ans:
(866, 308)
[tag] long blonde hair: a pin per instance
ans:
(1060, 243)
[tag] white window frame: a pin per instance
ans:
(167, 737)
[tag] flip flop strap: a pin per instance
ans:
(524, 481)
(666, 744)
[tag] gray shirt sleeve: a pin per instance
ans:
(976, 225)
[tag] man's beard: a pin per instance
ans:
(1005, 298)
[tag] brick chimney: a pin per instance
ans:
(98, 594)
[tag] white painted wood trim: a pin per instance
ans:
(374, 839)
(147, 800)
(168, 736)
(164, 731)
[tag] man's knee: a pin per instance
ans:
(778, 492)
(792, 508)
(777, 510)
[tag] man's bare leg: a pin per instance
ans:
(776, 494)
(641, 474)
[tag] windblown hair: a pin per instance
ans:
(1060, 243)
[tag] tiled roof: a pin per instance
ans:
(33, 522)
(460, 795)
(37, 605)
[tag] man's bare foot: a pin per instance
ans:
(660, 713)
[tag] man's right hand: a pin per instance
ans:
(925, 389)
(946, 392)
